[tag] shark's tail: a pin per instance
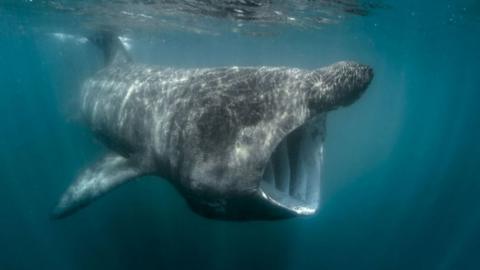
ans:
(112, 47)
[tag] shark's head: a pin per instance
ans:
(260, 150)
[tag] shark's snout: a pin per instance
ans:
(354, 79)
(338, 85)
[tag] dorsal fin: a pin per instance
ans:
(113, 50)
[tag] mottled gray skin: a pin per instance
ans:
(212, 133)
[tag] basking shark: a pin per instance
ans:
(238, 143)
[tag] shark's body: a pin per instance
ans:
(237, 143)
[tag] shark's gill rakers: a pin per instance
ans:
(238, 143)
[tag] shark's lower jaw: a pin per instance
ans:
(291, 179)
(289, 186)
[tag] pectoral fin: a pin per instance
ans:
(95, 181)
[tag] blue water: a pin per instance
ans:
(401, 188)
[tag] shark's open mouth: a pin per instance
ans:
(291, 179)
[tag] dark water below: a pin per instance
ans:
(401, 187)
